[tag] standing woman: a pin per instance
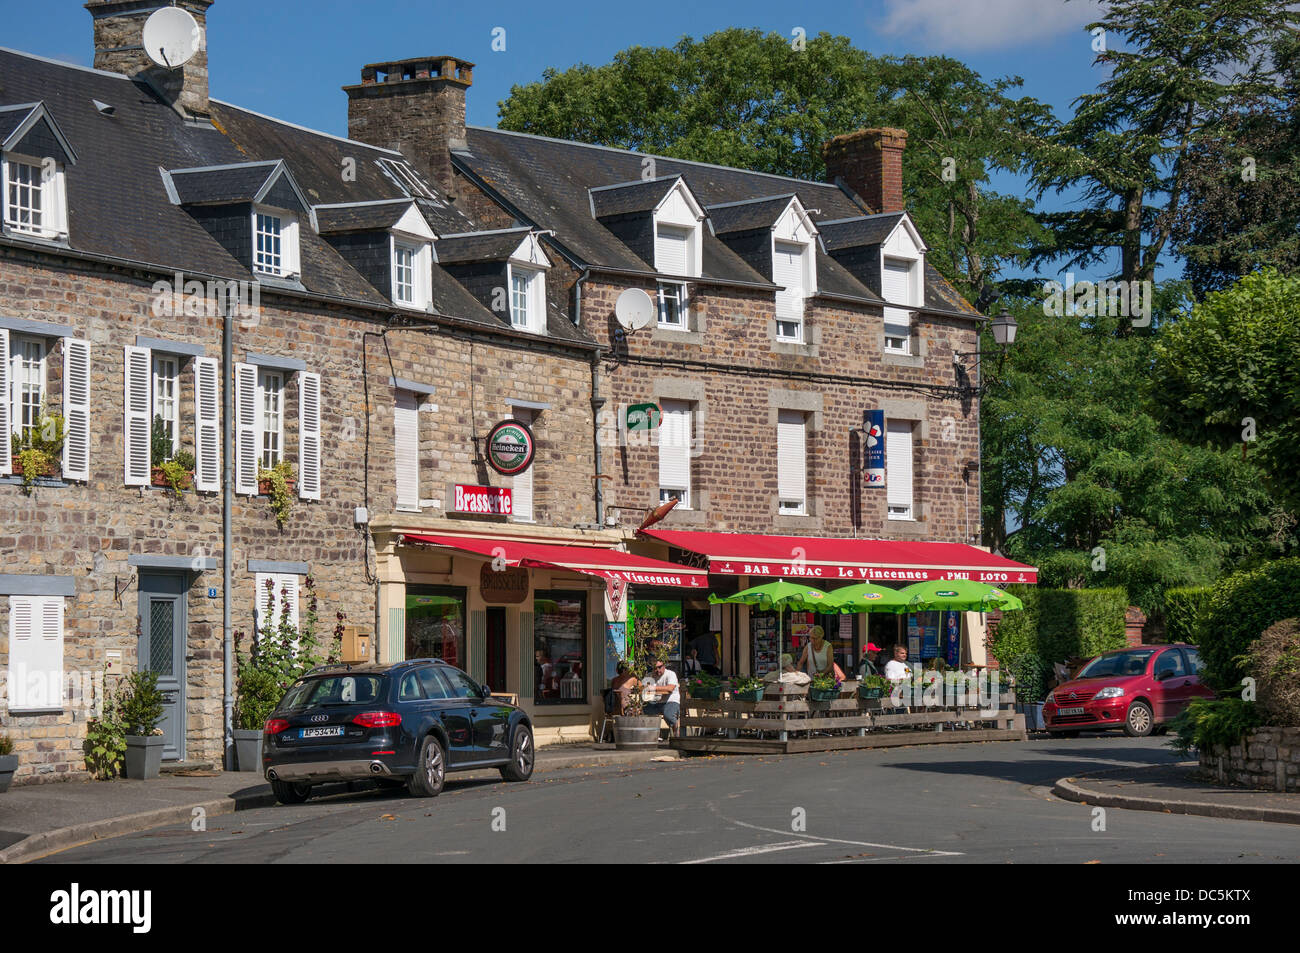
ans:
(818, 657)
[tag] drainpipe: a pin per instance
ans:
(597, 402)
(227, 504)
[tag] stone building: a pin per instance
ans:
(422, 321)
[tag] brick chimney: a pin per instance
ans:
(870, 162)
(416, 107)
(119, 48)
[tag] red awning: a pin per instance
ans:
(591, 560)
(819, 557)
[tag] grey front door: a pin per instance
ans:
(162, 650)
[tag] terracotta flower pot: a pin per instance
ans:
(264, 486)
(159, 478)
(49, 471)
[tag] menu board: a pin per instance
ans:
(763, 630)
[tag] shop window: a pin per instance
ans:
(559, 648)
(435, 623)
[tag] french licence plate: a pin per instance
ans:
(322, 732)
(1069, 711)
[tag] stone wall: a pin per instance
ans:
(88, 531)
(1266, 758)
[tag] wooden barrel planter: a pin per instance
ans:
(636, 732)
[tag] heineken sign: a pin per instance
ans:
(510, 447)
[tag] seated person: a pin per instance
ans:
(896, 668)
(620, 688)
(870, 661)
(663, 683)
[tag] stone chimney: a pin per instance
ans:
(119, 48)
(870, 162)
(416, 107)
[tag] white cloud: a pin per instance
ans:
(985, 24)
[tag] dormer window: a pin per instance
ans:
(34, 197)
(790, 268)
(411, 267)
(900, 282)
(275, 243)
(527, 298)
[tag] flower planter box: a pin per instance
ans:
(867, 693)
(706, 694)
(751, 696)
(158, 478)
(264, 487)
(823, 694)
(248, 749)
(143, 756)
(51, 471)
(8, 765)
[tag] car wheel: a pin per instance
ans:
(522, 756)
(1139, 723)
(287, 792)
(430, 769)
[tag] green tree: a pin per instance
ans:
(751, 100)
(1173, 66)
(1229, 375)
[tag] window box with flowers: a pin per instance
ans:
(277, 483)
(37, 451)
(824, 688)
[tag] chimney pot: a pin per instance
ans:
(119, 48)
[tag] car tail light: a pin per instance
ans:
(377, 719)
(275, 726)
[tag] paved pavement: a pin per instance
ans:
(36, 819)
(950, 804)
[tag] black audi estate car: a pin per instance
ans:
(407, 723)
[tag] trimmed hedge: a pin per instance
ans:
(1184, 607)
(1057, 624)
(1237, 612)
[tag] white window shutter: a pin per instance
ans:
(788, 271)
(264, 614)
(309, 436)
(207, 413)
(791, 455)
(406, 432)
(246, 429)
(898, 463)
(675, 445)
(896, 288)
(35, 653)
(6, 426)
(139, 421)
(76, 409)
(288, 585)
(671, 250)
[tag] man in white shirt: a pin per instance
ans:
(896, 667)
(664, 685)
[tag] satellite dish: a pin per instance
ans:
(172, 37)
(634, 309)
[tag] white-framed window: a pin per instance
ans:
(275, 591)
(673, 309)
(35, 653)
(27, 362)
(790, 271)
(412, 262)
(792, 462)
(898, 469)
(521, 490)
(275, 243)
(527, 298)
(675, 430)
(34, 197)
(898, 284)
(406, 436)
(675, 250)
(270, 425)
(166, 397)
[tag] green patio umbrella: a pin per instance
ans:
(778, 595)
(957, 595)
(866, 597)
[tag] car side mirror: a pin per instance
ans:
(484, 691)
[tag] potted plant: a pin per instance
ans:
(747, 689)
(1029, 676)
(825, 687)
(35, 451)
(704, 686)
(277, 483)
(141, 709)
(175, 470)
(8, 762)
(634, 729)
(874, 686)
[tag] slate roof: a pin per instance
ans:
(481, 246)
(747, 216)
(222, 185)
(119, 205)
(11, 117)
(378, 215)
(548, 182)
(628, 197)
(864, 230)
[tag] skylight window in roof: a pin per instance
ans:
(406, 179)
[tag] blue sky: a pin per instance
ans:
(289, 58)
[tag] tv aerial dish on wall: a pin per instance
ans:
(172, 37)
(634, 309)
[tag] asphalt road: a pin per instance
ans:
(943, 804)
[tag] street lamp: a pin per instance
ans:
(1004, 335)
